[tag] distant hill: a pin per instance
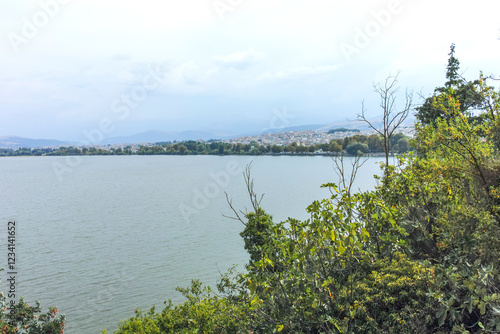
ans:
(321, 127)
(293, 128)
(154, 136)
(16, 142)
(354, 124)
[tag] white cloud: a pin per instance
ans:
(187, 78)
(239, 60)
(299, 72)
(263, 55)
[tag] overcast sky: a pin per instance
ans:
(69, 67)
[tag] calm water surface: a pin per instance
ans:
(102, 236)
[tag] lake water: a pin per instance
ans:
(101, 236)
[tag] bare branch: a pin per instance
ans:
(346, 182)
(355, 166)
(254, 199)
(391, 119)
(237, 216)
(250, 185)
(362, 117)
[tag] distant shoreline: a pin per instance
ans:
(355, 145)
(326, 154)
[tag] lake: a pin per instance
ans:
(100, 236)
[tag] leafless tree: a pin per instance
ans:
(392, 118)
(346, 178)
(254, 198)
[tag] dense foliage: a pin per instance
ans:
(21, 318)
(418, 254)
(369, 144)
(470, 94)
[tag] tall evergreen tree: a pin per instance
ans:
(467, 93)
(452, 69)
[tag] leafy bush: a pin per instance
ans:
(202, 312)
(418, 254)
(22, 318)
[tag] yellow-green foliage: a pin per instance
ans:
(398, 284)
(202, 312)
(419, 254)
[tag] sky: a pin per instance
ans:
(82, 69)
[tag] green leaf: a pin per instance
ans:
(337, 327)
(252, 286)
(315, 303)
(482, 308)
(364, 232)
(341, 248)
(441, 315)
(469, 304)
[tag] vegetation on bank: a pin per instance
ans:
(418, 254)
(353, 145)
(20, 318)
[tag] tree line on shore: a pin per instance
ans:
(353, 145)
(420, 253)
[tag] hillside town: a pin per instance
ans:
(302, 138)
(306, 138)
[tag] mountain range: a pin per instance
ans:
(16, 142)
(154, 136)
